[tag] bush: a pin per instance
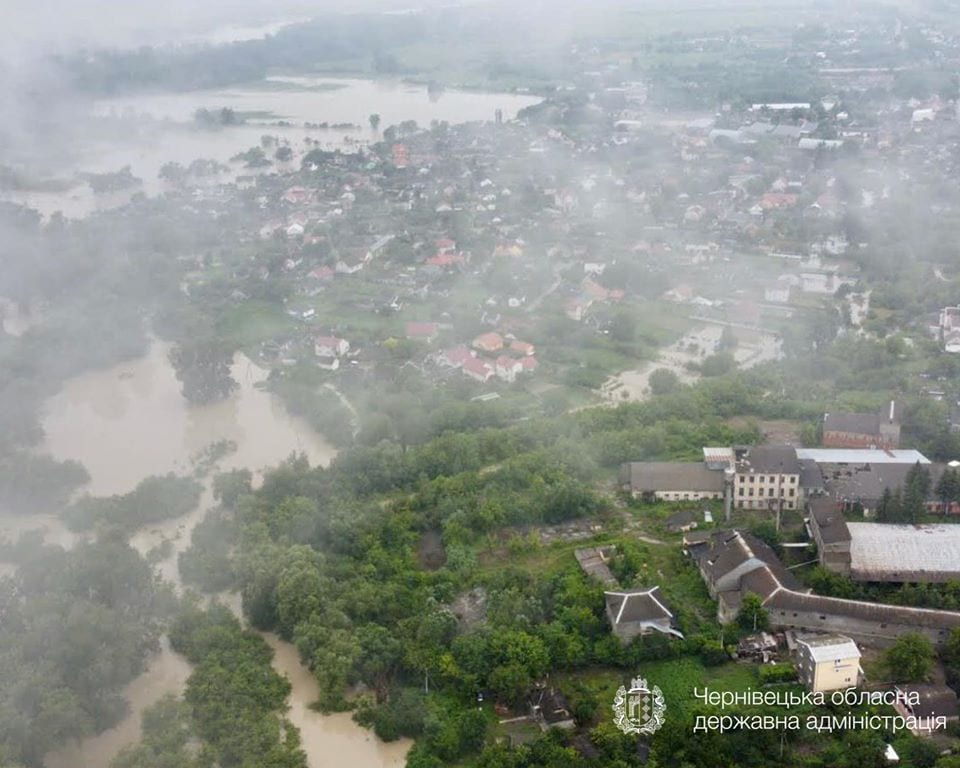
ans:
(771, 674)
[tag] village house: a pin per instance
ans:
(639, 612)
(479, 370)
(828, 662)
(488, 342)
(329, 350)
(417, 331)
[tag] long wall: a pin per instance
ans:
(867, 632)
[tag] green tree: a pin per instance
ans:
(753, 616)
(663, 381)
(375, 121)
(910, 658)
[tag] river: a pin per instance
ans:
(130, 421)
(148, 130)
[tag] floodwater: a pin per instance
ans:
(330, 741)
(167, 673)
(146, 131)
(130, 421)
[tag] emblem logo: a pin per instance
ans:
(639, 710)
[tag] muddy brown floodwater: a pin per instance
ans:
(130, 421)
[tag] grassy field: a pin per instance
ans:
(677, 678)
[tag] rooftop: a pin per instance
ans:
(830, 647)
(672, 476)
(861, 456)
(882, 552)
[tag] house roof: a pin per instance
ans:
(883, 552)
(862, 456)
(829, 521)
(636, 605)
(934, 700)
(810, 475)
(731, 551)
(857, 423)
(865, 482)
(779, 459)
(830, 647)
(593, 561)
(672, 476)
(416, 329)
(790, 600)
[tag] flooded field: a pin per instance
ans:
(145, 132)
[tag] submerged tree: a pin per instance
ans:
(203, 368)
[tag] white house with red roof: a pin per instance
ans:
(508, 368)
(456, 356)
(478, 369)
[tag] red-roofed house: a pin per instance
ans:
(456, 356)
(445, 259)
(478, 369)
(401, 155)
(296, 195)
(529, 364)
(488, 342)
(321, 273)
(421, 331)
(508, 368)
(445, 245)
(330, 346)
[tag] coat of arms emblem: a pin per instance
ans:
(639, 710)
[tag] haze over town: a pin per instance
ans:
(479, 384)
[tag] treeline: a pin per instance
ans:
(75, 628)
(231, 714)
(155, 498)
(329, 39)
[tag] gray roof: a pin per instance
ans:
(654, 476)
(726, 554)
(777, 459)
(883, 552)
(862, 456)
(637, 605)
(811, 478)
(789, 600)
(593, 561)
(934, 700)
(865, 482)
(857, 423)
(829, 521)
